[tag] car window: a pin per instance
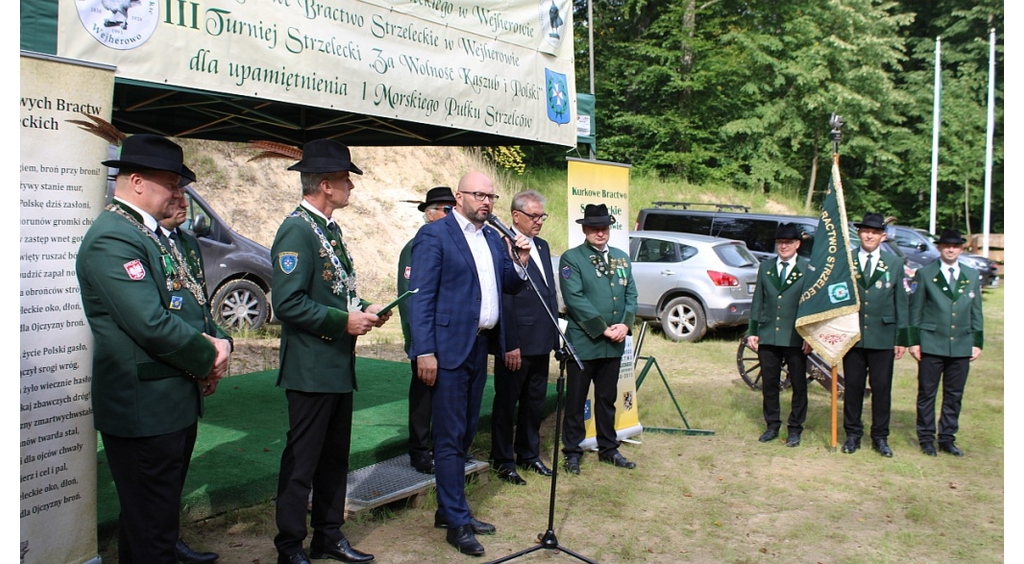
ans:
(657, 250)
(679, 222)
(758, 234)
(735, 255)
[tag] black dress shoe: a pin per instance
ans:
(539, 468)
(793, 440)
(295, 558)
(462, 538)
(928, 449)
(851, 445)
(769, 435)
(951, 449)
(340, 550)
(882, 447)
(572, 465)
(189, 556)
(422, 465)
(478, 527)
(511, 476)
(619, 461)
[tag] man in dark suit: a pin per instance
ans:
(438, 203)
(600, 303)
(156, 348)
(461, 269)
(321, 314)
(884, 316)
(188, 252)
(521, 377)
(772, 333)
(947, 332)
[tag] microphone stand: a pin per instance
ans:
(548, 540)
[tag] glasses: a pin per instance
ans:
(446, 209)
(481, 196)
(537, 218)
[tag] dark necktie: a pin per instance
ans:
(867, 266)
(952, 279)
(783, 266)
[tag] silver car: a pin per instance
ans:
(692, 283)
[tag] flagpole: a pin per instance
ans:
(835, 135)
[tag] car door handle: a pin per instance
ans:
(668, 273)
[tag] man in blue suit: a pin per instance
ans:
(461, 269)
(521, 377)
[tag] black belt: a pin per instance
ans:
(486, 332)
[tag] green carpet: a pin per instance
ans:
(241, 438)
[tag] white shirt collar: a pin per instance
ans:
(465, 224)
(147, 220)
(312, 209)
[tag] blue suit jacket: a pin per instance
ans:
(445, 313)
(528, 326)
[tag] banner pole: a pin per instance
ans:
(835, 406)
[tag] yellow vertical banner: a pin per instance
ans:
(599, 182)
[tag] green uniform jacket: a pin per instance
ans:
(773, 310)
(317, 353)
(401, 286)
(944, 322)
(884, 304)
(596, 297)
(148, 346)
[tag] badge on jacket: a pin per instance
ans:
(135, 269)
(288, 262)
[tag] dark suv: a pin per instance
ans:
(729, 221)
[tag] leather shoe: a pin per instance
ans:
(295, 558)
(572, 465)
(423, 465)
(851, 445)
(951, 449)
(793, 440)
(476, 526)
(619, 461)
(928, 449)
(769, 435)
(511, 476)
(462, 538)
(882, 447)
(189, 556)
(539, 468)
(340, 550)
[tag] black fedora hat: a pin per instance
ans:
(187, 177)
(950, 237)
(438, 194)
(872, 221)
(596, 215)
(787, 231)
(325, 155)
(150, 152)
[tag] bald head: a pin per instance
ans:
(475, 197)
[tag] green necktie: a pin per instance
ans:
(867, 266)
(783, 266)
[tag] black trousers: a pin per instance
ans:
(319, 437)
(604, 373)
(149, 473)
(952, 373)
(772, 358)
(526, 387)
(859, 367)
(419, 418)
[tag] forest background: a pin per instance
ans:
(739, 92)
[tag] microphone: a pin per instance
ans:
(497, 224)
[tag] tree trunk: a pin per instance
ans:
(814, 176)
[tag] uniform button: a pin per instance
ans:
(615, 313)
(952, 338)
(615, 298)
(954, 314)
(952, 326)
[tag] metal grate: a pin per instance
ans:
(391, 480)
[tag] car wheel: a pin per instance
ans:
(240, 304)
(683, 320)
